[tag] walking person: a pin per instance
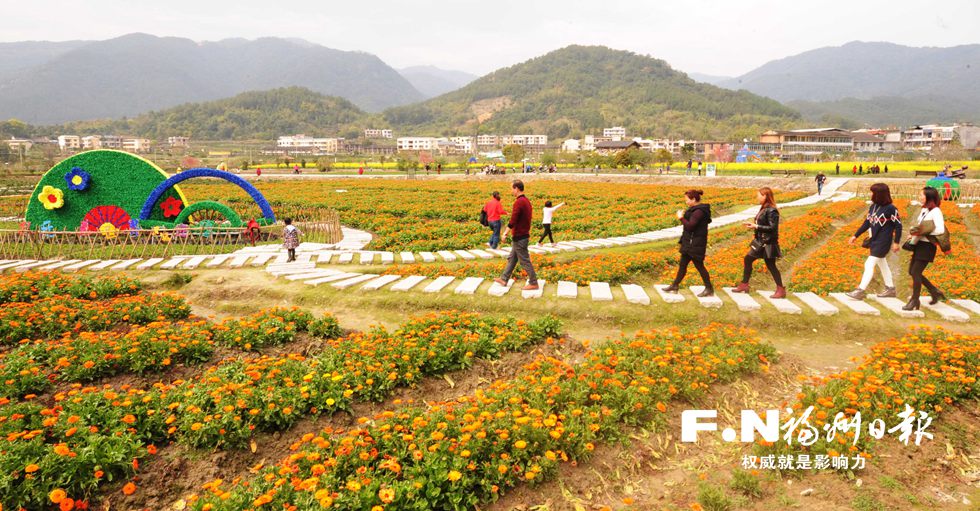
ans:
(929, 224)
(520, 226)
(821, 179)
(837, 169)
(290, 239)
(494, 210)
(765, 243)
(694, 241)
(688, 171)
(885, 224)
(546, 221)
(700, 166)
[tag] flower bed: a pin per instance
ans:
(459, 454)
(928, 369)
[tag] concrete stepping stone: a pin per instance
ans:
(324, 257)
(407, 257)
(947, 312)
(380, 282)
(468, 286)
(149, 263)
(173, 262)
(407, 283)
(239, 260)
(367, 257)
(261, 259)
(290, 269)
(447, 255)
(12, 264)
(427, 257)
(711, 302)
(668, 297)
(781, 304)
(567, 289)
(482, 254)
(465, 255)
(345, 258)
(536, 293)
(857, 306)
(743, 301)
(536, 250)
(217, 260)
(498, 290)
(387, 257)
(499, 253)
(600, 292)
(304, 257)
(79, 265)
(310, 275)
(104, 264)
(436, 285)
(895, 305)
(331, 278)
(636, 294)
(344, 284)
(61, 264)
(26, 267)
(819, 305)
(969, 305)
(549, 249)
(194, 262)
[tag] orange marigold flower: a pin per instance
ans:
(129, 489)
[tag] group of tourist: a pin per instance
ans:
(883, 221)
(859, 169)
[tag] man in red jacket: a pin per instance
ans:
(520, 226)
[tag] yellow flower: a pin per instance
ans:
(454, 475)
(51, 197)
(108, 230)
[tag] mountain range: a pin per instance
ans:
(432, 81)
(874, 82)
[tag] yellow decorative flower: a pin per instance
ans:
(108, 230)
(51, 197)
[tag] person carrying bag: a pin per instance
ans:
(925, 234)
(765, 243)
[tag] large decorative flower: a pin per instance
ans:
(108, 230)
(171, 207)
(51, 197)
(98, 216)
(77, 179)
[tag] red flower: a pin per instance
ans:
(171, 207)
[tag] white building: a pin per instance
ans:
(525, 140)
(463, 144)
(112, 142)
(415, 143)
(928, 136)
(69, 142)
(572, 145)
(92, 142)
(487, 141)
(615, 133)
(16, 144)
(377, 133)
(302, 144)
(178, 141)
(136, 145)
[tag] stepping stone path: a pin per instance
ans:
(427, 257)
(149, 263)
(407, 257)
(407, 283)
(743, 301)
(380, 282)
(346, 283)
(636, 294)
(600, 292)
(781, 304)
(567, 290)
(895, 305)
(536, 293)
(668, 297)
(819, 305)
(858, 306)
(711, 302)
(436, 285)
(331, 278)
(498, 290)
(468, 286)
(947, 312)
(969, 305)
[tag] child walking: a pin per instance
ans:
(546, 221)
(290, 238)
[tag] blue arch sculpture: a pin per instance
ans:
(256, 195)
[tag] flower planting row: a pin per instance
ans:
(459, 454)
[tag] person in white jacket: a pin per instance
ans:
(925, 250)
(546, 219)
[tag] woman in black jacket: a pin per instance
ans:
(765, 243)
(886, 232)
(694, 241)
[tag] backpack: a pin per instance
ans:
(483, 218)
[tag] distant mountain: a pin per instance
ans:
(137, 73)
(250, 115)
(937, 82)
(581, 89)
(27, 54)
(710, 79)
(432, 81)
(890, 111)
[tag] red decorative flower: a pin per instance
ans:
(100, 215)
(171, 207)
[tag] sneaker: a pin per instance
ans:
(530, 287)
(889, 292)
(859, 294)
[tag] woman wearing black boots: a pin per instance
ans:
(765, 243)
(694, 241)
(928, 225)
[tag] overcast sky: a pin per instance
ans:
(705, 36)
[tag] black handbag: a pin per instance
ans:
(483, 218)
(866, 243)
